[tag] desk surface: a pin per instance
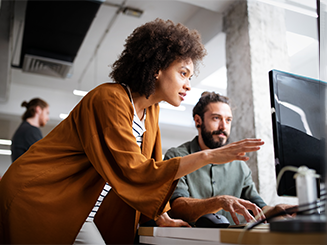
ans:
(260, 235)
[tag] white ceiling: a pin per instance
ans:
(104, 42)
(105, 39)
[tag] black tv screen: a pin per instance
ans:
(298, 120)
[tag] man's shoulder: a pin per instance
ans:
(25, 127)
(179, 151)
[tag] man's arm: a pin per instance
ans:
(190, 209)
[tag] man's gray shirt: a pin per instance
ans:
(232, 179)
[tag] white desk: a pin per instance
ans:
(204, 236)
(179, 235)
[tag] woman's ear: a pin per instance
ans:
(157, 75)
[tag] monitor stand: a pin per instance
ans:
(311, 220)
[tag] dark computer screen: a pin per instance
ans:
(298, 120)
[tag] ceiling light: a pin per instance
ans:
(133, 12)
(5, 152)
(63, 115)
(79, 92)
(5, 142)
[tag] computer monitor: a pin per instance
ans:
(298, 121)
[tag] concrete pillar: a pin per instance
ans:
(5, 48)
(255, 44)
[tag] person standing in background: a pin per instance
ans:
(28, 132)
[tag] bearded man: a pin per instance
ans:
(228, 188)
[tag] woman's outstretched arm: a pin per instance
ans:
(221, 155)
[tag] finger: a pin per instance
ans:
(248, 217)
(250, 147)
(255, 140)
(234, 217)
(247, 147)
(242, 158)
(185, 224)
(180, 222)
(250, 141)
(257, 212)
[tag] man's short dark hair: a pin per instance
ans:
(206, 98)
(153, 47)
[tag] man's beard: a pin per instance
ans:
(208, 139)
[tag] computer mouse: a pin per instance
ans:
(212, 221)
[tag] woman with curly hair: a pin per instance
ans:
(112, 136)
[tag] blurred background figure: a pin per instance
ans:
(28, 132)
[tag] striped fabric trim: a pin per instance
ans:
(103, 194)
(138, 131)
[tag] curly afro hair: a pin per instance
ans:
(153, 47)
